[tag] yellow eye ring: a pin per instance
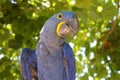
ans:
(60, 16)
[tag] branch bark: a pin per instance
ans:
(105, 41)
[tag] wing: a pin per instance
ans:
(69, 62)
(28, 64)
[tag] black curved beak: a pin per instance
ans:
(68, 26)
(73, 24)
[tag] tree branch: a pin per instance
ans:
(105, 41)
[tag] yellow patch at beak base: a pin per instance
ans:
(58, 28)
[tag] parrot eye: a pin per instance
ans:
(60, 16)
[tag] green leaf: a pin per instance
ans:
(109, 11)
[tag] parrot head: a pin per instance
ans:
(68, 24)
(57, 27)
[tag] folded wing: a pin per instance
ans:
(28, 62)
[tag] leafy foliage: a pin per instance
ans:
(96, 46)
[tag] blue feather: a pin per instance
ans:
(28, 63)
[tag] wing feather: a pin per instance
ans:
(28, 62)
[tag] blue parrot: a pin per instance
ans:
(53, 58)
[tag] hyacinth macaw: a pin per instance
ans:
(53, 58)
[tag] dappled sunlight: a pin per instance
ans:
(99, 8)
(1, 56)
(96, 46)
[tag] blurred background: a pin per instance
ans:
(96, 46)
